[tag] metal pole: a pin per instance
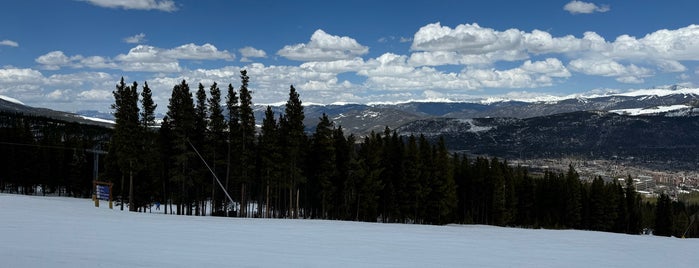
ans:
(210, 170)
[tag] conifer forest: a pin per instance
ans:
(208, 157)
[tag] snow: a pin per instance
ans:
(69, 232)
(652, 110)
(660, 92)
(95, 119)
(473, 127)
(10, 99)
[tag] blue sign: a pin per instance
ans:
(103, 192)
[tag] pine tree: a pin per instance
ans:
(148, 107)
(125, 139)
(324, 163)
(270, 156)
(247, 141)
(633, 208)
(573, 204)
(181, 115)
(149, 179)
(663, 216)
(232, 154)
(216, 142)
(199, 140)
(443, 185)
(293, 140)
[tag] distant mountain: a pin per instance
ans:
(362, 119)
(587, 134)
(17, 107)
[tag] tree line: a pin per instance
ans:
(42, 155)
(280, 170)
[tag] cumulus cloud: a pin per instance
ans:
(142, 58)
(96, 95)
(465, 38)
(136, 39)
(324, 47)
(9, 43)
(251, 52)
(162, 5)
(610, 68)
(37, 89)
(195, 52)
(580, 7)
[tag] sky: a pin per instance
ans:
(69, 54)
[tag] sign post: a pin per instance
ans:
(103, 191)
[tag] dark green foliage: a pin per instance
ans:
(182, 125)
(41, 155)
(282, 171)
(663, 216)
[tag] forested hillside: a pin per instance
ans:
(201, 161)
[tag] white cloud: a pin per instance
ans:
(162, 5)
(19, 76)
(251, 52)
(580, 7)
(96, 95)
(324, 47)
(141, 58)
(465, 38)
(335, 67)
(9, 43)
(610, 68)
(550, 67)
(58, 95)
(195, 52)
(136, 39)
(54, 60)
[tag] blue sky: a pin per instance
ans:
(69, 54)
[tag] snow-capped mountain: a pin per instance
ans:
(362, 119)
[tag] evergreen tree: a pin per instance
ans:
(232, 154)
(632, 207)
(149, 179)
(247, 141)
(573, 204)
(443, 186)
(293, 140)
(148, 107)
(182, 123)
(270, 155)
(199, 139)
(663, 216)
(324, 164)
(216, 143)
(125, 139)
(411, 198)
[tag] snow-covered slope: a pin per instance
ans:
(69, 232)
(10, 99)
(651, 110)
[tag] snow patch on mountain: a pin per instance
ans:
(473, 128)
(651, 110)
(10, 99)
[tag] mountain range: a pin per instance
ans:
(652, 124)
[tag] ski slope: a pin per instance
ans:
(68, 232)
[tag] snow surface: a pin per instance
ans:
(95, 119)
(652, 110)
(69, 232)
(10, 99)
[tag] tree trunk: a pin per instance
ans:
(267, 214)
(120, 191)
(132, 207)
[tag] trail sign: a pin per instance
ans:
(103, 191)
